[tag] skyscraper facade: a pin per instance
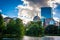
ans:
(46, 12)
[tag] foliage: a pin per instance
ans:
(51, 30)
(15, 28)
(1, 23)
(20, 27)
(2, 26)
(35, 29)
(11, 27)
(58, 30)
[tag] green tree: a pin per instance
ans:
(20, 27)
(2, 26)
(11, 27)
(35, 29)
(58, 30)
(1, 23)
(51, 30)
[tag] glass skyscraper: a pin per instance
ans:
(46, 12)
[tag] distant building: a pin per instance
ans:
(46, 12)
(36, 18)
(49, 21)
(6, 20)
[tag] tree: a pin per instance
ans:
(51, 30)
(1, 23)
(35, 29)
(20, 27)
(58, 30)
(2, 26)
(11, 27)
(16, 28)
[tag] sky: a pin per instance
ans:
(9, 7)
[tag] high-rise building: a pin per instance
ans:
(46, 12)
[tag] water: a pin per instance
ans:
(36, 38)
(11, 39)
(25, 38)
(32, 38)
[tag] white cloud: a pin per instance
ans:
(56, 19)
(57, 1)
(54, 13)
(4, 15)
(24, 7)
(37, 4)
(34, 6)
(41, 3)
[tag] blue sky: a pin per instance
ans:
(57, 10)
(8, 7)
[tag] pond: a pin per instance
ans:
(36, 38)
(25, 38)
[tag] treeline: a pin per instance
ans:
(16, 28)
(13, 29)
(36, 29)
(52, 30)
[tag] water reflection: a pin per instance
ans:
(12, 39)
(32, 38)
(35, 38)
(25, 38)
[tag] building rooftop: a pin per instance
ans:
(36, 18)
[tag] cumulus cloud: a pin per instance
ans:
(57, 1)
(41, 3)
(33, 6)
(4, 15)
(38, 3)
(54, 13)
(56, 19)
